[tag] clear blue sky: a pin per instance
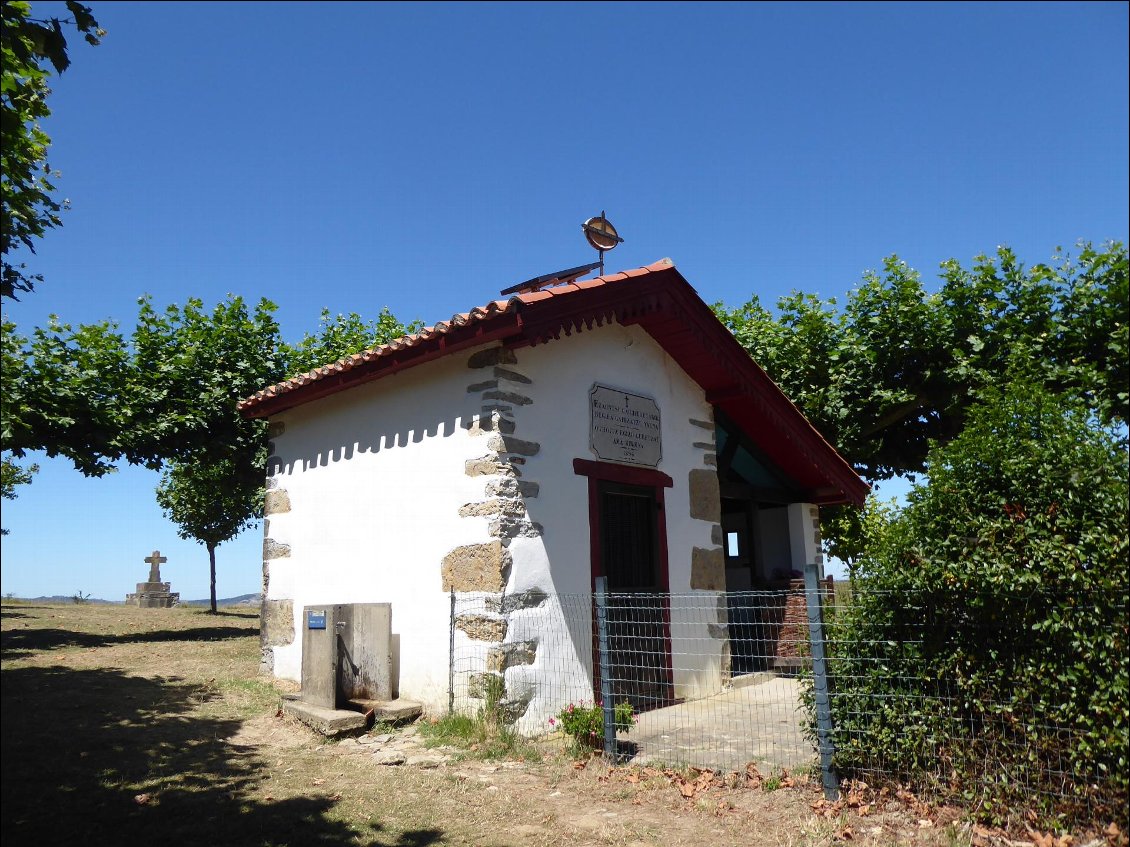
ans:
(423, 157)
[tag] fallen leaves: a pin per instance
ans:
(752, 776)
(694, 782)
(1048, 839)
(701, 783)
(980, 836)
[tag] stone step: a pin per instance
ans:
(755, 678)
(388, 711)
(330, 722)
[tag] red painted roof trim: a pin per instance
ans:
(659, 300)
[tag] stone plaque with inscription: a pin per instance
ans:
(625, 427)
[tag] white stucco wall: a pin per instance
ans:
(563, 373)
(804, 537)
(374, 476)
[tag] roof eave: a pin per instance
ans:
(670, 311)
(496, 328)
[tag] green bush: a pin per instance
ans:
(584, 723)
(983, 654)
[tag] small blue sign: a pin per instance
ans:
(315, 620)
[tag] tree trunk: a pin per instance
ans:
(212, 566)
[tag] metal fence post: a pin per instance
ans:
(605, 667)
(451, 658)
(820, 680)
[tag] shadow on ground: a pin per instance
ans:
(77, 744)
(19, 642)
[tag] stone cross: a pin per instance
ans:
(155, 561)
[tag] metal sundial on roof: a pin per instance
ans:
(601, 235)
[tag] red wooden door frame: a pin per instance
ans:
(598, 472)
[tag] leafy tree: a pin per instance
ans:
(28, 45)
(167, 392)
(165, 397)
(62, 389)
(853, 532)
(984, 652)
(11, 475)
(212, 498)
(342, 335)
(210, 503)
(899, 367)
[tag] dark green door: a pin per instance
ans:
(639, 646)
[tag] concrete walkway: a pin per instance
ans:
(758, 722)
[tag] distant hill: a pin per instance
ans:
(70, 598)
(241, 600)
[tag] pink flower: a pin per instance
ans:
(552, 722)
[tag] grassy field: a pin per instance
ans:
(126, 726)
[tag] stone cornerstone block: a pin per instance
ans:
(706, 497)
(507, 397)
(488, 466)
(491, 357)
(276, 502)
(484, 685)
(277, 621)
(481, 627)
(512, 488)
(513, 376)
(531, 598)
(505, 526)
(508, 655)
(274, 550)
(509, 444)
(491, 420)
(476, 567)
(490, 508)
(708, 569)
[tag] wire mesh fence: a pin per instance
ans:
(940, 697)
(712, 678)
(1009, 703)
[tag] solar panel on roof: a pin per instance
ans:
(539, 282)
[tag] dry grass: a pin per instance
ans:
(127, 726)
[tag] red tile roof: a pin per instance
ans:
(657, 298)
(479, 314)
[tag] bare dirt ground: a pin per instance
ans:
(127, 726)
